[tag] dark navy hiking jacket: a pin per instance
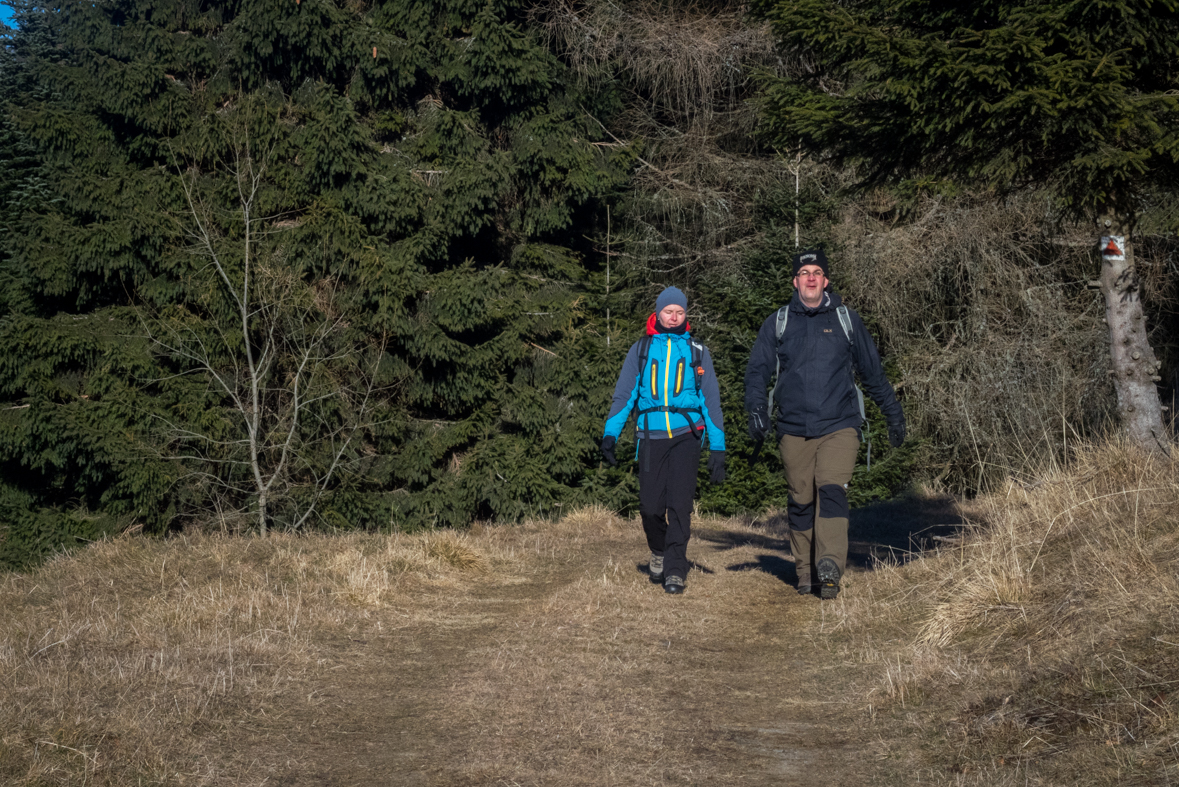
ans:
(816, 390)
(666, 382)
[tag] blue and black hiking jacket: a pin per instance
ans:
(670, 395)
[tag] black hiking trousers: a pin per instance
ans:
(666, 494)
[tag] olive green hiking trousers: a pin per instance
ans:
(818, 470)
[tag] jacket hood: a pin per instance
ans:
(653, 325)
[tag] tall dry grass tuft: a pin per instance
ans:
(121, 663)
(450, 548)
(1052, 624)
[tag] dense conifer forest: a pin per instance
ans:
(369, 265)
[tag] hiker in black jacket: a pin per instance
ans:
(823, 345)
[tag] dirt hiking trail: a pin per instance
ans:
(578, 671)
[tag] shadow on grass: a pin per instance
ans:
(893, 531)
(775, 538)
(777, 567)
(896, 531)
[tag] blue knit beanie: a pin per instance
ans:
(671, 296)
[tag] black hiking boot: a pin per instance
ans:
(673, 584)
(828, 574)
(806, 590)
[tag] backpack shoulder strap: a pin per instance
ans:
(644, 350)
(845, 322)
(697, 363)
(779, 328)
(780, 321)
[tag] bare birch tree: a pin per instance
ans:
(295, 398)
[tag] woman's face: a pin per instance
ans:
(672, 316)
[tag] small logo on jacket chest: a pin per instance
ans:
(826, 330)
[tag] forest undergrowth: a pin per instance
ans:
(1033, 644)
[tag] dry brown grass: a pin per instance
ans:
(120, 661)
(1048, 631)
(1039, 649)
(531, 654)
(603, 679)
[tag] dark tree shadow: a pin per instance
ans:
(777, 567)
(894, 531)
(775, 538)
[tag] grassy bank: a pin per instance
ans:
(1043, 646)
(1035, 644)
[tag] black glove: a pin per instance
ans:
(716, 466)
(896, 433)
(759, 425)
(608, 450)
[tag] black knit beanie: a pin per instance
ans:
(811, 257)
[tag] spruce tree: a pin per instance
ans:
(417, 174)
(1077, 97)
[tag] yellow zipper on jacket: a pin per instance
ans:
(666, 377)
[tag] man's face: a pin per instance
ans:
(810, 283)
(672, 316)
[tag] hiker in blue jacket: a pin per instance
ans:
(669, 380)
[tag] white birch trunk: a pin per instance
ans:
(1135, 368)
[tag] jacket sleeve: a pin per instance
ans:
(871, 372)
(763, 361)
(626, 391)
(714, 420)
